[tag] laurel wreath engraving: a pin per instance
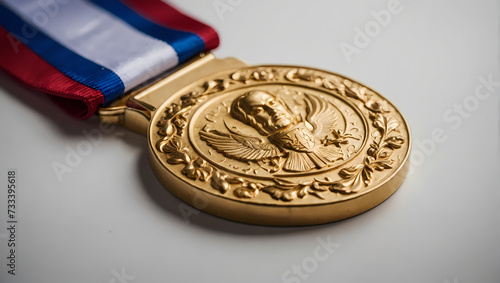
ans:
(352, 179)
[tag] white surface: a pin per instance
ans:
(111, 215)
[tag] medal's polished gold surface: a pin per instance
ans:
(271, 145)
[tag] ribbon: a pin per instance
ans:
(87, 53)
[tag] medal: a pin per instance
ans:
(271, 145)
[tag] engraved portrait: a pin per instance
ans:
(286, 139)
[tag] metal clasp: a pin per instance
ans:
(135, 109)
(124, 112)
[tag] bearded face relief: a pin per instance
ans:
(263, 111)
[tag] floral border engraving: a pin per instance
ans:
(352, 179)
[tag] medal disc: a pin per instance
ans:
(279, 145)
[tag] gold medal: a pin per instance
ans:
(270, 145)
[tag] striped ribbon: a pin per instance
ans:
(87, 53)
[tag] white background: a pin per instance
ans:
(111, 216)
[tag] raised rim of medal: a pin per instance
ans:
(381, 182)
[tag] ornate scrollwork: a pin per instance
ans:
(351, 180)
(355, 178)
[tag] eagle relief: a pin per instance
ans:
(289, 142)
